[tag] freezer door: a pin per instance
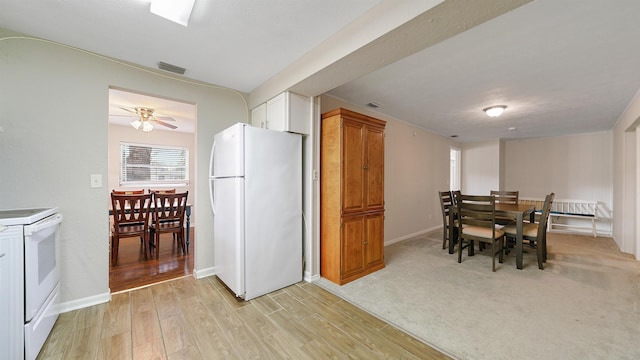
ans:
(228, 232)
(227, 153)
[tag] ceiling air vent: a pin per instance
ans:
(373, 105)
(171, 68)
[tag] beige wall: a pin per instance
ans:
(572, 167)
(119, 133)
(416, 168)
(625, 185)
(54, 108)
(481, 167)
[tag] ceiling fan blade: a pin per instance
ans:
(160, 122)
(164, 118)
(129, 110)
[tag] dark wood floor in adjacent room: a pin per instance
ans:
(133, 270)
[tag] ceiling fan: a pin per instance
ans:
(146, 119)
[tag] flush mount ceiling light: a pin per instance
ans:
(495, 110)
(176, 11)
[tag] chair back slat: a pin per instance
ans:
(128, 192)
(130, 209)
(163, 191)
(505, 197)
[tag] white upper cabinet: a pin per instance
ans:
(286, 112)
(259, 116)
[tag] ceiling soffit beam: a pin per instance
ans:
(332, 63)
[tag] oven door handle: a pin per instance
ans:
(43, 224)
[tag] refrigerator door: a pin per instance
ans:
(273, 211)
(227, 157)
(228, 232)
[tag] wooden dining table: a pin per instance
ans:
(518, 212)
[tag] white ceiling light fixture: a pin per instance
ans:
(147, 126)
(177, 11)
(495, 110)
(136, 124)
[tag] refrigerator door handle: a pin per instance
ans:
(213, 149)
(211, 181)
(211, 189)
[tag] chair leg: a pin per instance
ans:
(453, 239)
(147, 246)
(460, 250)
(500, 249)
(157, 241)
(180, 237)
(540, 255)
(444, 238)
(544, 246)
(115, 242)
(493, 255)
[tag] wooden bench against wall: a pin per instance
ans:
(568, 209)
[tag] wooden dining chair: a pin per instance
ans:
(130, 218)
(476, 221)
(535, 233)
(168, 217)
(505, 197)
(449, 224)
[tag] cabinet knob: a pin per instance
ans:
(366, 242)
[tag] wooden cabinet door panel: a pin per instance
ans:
(374, 169)
(352, 254)
(374, 239)
(352, 195)
(352, 166)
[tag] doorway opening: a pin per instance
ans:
(150, 122)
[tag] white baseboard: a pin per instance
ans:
(200, 274)
(310, 278)
(84, 302)
(409, 236)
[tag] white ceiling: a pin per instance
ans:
(562, 67)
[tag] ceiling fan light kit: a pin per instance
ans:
(145, 119)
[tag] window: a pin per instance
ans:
(454, 170)
(148, 165)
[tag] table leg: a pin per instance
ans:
(519, 241)
(188, 212)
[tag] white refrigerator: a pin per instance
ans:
(255, 181)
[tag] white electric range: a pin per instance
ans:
(29, 279)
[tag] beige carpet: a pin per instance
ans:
(585, 304)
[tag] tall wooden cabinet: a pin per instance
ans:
(351, 195)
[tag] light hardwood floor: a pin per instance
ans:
(200, 319)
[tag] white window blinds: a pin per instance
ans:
(153, 165)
